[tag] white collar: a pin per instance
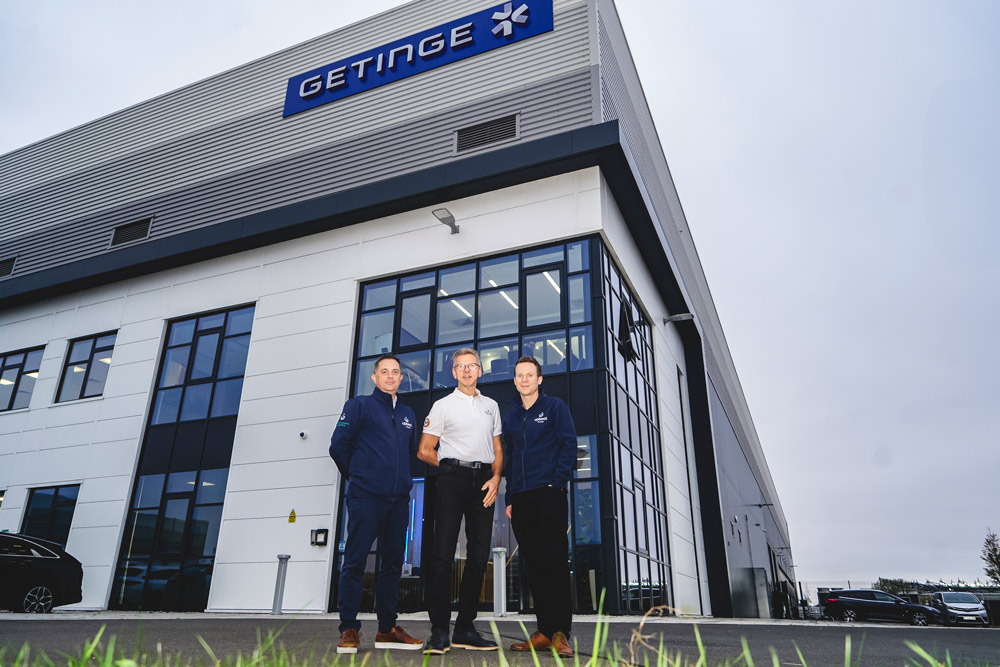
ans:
(458, 392)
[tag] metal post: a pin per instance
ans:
(279, 583)
(500, 581)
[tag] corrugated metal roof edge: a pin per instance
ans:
(548, 156)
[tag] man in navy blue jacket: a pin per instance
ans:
(541, 457)
(371, 446)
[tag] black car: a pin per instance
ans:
(866, 604)
(960, 607)
(37, 575)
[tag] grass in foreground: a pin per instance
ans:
(272, 653)
(269, 652)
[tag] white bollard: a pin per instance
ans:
(500, 581)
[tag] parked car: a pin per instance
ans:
(957, 608)
(37, 575)
(866, 604)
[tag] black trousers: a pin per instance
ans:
(539, 518)
(458, 494)
(369, 517)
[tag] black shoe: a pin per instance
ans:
(437, 643)
(472, 640)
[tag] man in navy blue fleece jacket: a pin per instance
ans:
(371, 446)
(541, 457)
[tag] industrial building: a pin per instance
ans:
(192, 287)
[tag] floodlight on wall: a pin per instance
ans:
(445, 217)
(678, 318)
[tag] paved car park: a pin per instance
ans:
(821, 642)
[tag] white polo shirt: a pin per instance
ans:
(466, 425)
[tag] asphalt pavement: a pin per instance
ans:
(821, 642)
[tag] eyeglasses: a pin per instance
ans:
(466, 367)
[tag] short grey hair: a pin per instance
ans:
(463, 351)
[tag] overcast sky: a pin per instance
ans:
(837, 163)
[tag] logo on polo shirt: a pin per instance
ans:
(541, 418)
(427, 422)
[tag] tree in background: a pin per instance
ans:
(891, 586)
(991, 556)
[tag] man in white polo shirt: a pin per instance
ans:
(464, 427)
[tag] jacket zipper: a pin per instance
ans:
(395, 454)
(524, 439)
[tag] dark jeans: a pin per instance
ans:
(371, 516)
(539, 518)
(458, 493)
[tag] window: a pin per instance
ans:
(539, 301)
(50, 513)
(86, 369)
(634, 442)
(168, 549)
(535, 302)
(18, 372)
(1, 497)
(203, 365)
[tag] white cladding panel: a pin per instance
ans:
(296, 376)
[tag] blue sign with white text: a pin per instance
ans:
(484, 31)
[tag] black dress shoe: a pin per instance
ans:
(437, 643)
(472, 640)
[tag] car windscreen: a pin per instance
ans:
(961, 598)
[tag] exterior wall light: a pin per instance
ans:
(445, 217)
(678, 318)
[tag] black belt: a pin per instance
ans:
(475, 465)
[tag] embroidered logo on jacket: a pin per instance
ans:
(541, 418)
(406, 422)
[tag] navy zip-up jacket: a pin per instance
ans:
(541, 445)
(373, 442)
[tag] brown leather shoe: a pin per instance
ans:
(397, 638)
(349, 641)
(538, 641)
(560, 644)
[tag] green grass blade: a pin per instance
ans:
(746, 652)
(798, 652)
(702, 658)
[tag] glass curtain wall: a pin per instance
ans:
(553, 303)
(536, 301)
(168, 549)
(632, 469)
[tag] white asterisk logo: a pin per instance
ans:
(508, 17)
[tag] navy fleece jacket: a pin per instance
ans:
(541, 445)
(372, 444)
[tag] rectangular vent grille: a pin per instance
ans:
(487, 133)
(7, 266)
(133, 231)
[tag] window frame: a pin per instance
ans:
(56, 488)
(91, 358)
(588, 269)
(21, 373)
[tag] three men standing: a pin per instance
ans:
(541, 458)
(465, 428)
(372, 445)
